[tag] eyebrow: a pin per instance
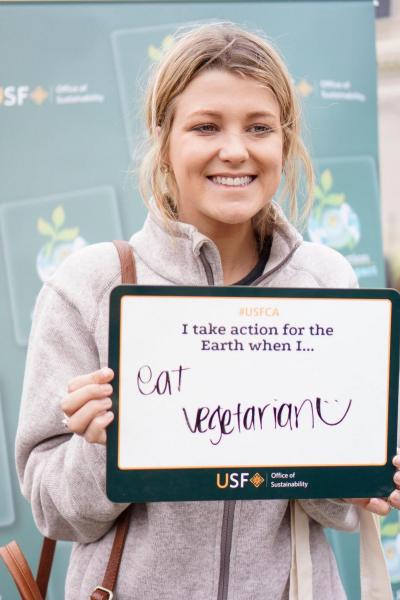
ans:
(214, 113)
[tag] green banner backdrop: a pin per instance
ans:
(71, 82)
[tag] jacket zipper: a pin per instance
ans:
(229, 505)
(226, 545)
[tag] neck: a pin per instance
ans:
(237, 246)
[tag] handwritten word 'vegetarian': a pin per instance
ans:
(220, 421)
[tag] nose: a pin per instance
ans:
(233, 149)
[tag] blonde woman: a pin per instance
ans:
(223, 125)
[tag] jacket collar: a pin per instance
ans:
(176, 251)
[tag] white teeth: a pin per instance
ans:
(234, 181)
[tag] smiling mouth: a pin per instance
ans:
(231, 182)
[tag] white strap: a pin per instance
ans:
(301, 567)
(375, 582)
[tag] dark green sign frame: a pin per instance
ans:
(200, 483)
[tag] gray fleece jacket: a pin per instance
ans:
(174, 551)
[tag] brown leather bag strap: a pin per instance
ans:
(45, 564)
(128, 269)
(20, 571)
(105, 590)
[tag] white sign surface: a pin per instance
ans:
(238, 381)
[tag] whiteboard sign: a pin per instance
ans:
(252, 393)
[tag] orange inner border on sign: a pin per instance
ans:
(252, 466)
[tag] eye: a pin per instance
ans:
(205, 128)
(259, 129)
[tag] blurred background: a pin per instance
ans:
(388, 60)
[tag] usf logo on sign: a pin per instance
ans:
(238, 480)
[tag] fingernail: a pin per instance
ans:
(396, 478)
(396, 461)
(107, 388)
(107, 402)
(106, 371)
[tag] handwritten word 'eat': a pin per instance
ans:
(163, 383)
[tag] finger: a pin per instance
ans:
(101, 376)
(96, 432)
(396, 461)
(379, 506)
(396, 478)
(76, 400)
(81, 419)
(394, 499)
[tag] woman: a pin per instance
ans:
(224, 126)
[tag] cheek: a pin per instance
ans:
(279, 165)
(272, 158)
(188, 159)
(276, 162)
(185, 172)
(272, 172)
(191, 174)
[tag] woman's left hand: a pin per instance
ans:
(382, 506)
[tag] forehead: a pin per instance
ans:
(223, 91)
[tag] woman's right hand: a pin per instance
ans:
(87, 405)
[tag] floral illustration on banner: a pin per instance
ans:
(61, 242)
(155, 53)
(332, 220)
(390, 535)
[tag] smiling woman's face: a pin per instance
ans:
(225, 150)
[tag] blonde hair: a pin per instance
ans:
(228, 47)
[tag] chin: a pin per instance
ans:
(236, 217)
(235, 220)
